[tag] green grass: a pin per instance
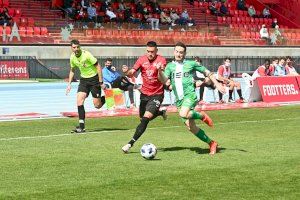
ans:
(259, 158)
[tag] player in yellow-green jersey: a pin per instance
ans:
(90, 81)
(180, 75)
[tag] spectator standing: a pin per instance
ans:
(5, 18)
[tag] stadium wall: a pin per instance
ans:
(63, 52)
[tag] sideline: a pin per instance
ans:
(153, 128)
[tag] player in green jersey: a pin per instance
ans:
(180, 75)
(90, 81)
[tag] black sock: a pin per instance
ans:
(239, 91)
(220, 96)
(103, 100)
(81, 116)
(201, 92)
(140, 129)
(230, 94)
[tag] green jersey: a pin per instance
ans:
(86, 64)
(181, 77)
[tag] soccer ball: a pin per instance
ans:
(148, 151)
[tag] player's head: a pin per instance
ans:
(75, 46)
(124, 68)
(289, 60)
(267, 63)
(227, 62)
(179, 51)
(151, 50)
(108, 62)
(281, 61)
(275, 60)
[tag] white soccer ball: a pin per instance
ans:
(148, 151)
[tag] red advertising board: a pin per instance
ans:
(279, 89)
(13, 70)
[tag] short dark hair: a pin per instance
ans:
(227, 58)
(108, 59)
(289, 57)
(282, 58)
(275, 58)
(198, 59)
(151, 44)
(76, 42)
(267, 60)
(181, 44)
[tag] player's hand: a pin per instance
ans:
(69, 87)
(159, 66)
(221, 88)
(198, 83)
(103, 86)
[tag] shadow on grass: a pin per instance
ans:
(198, 150)
(107, 129)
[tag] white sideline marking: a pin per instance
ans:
(153, 128)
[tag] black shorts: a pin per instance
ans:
(92, 85)
(150, 103)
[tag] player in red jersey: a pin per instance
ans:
(152, 91)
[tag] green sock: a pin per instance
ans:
(196, 115)
(202, 136)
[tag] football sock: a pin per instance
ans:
(239, 91)
(103, 100)
(230, 94)
(140, 129)
(201, 92)
(220, 96)
(158, 113)
(81, 116)
(202, 136)
(196, 115)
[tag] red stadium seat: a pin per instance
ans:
(29, 31)
(247, 20)
(1, 29)
(220, 20)
(44, 31)
(22, 31)
(23, 21)
(37, 31)
(233, 20)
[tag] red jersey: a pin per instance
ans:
(151, 84)
(224, 71)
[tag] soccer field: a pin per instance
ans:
(259, 158)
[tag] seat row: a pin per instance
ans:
(26, 31)
(244, 20)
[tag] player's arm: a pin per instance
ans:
(161, 75)
(130, 72)
(71, 76)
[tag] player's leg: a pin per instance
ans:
(149, 108)
(142, 125)
(98, 96)
(187, 110)
(199, 133)
(81, 96)
(239, 91)
(231, 88)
